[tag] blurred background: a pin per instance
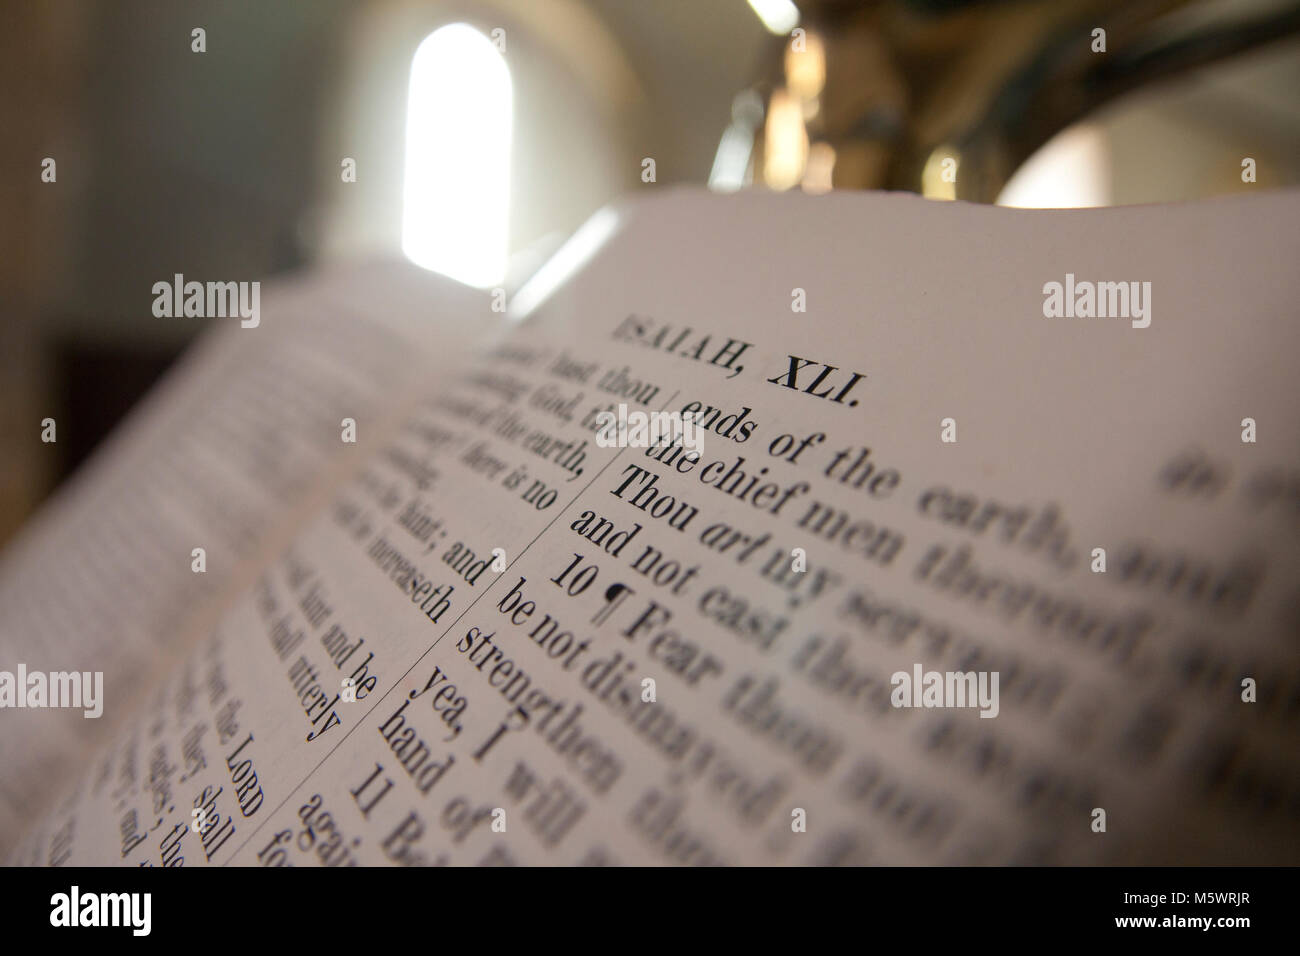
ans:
(240, 139)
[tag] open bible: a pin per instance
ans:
(752, 529)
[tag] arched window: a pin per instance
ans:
(456, 193)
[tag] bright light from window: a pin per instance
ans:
(785, 141)
(779, 16)
(455, 206)
(568, 259)
(1070, 171)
